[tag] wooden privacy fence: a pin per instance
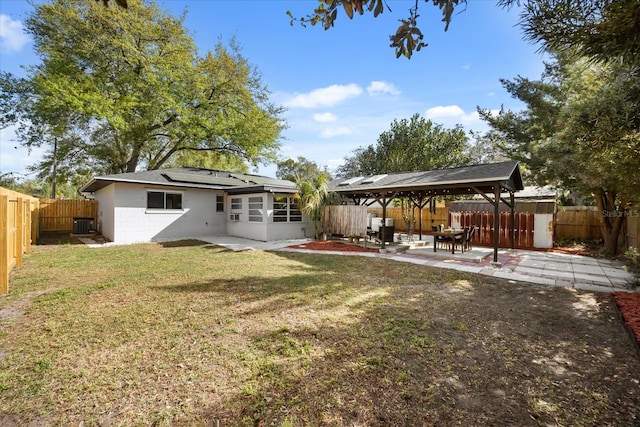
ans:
(441, 216)
(58, 215)
(349, 220)
(483, 235)
(578, 222)
(18, 229)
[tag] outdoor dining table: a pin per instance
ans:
(448, 233)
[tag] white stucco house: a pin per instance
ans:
(191, 202)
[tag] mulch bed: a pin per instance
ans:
(333, 245)
(629, 306)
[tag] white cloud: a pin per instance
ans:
(451, 115)
(325, 117)
(446, 112)
(378, 87)
(12, 36)
(324, 97)
(466, 67)
(332, 132)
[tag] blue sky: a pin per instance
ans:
(341, 87)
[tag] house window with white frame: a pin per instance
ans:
(236, 208)
(219, 203)
(285, 209)
(164, 200)
(255, 209)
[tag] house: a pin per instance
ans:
(191, 202)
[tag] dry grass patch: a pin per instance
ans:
(190, 333)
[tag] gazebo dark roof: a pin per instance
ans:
(455, 181)
(488, 180)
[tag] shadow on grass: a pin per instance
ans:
(342, 342)
(183, 243)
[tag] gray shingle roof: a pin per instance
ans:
(192, 178)
(453, 180)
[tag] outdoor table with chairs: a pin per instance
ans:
(452, 237)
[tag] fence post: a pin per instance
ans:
(19, 231)
(4, 244)
(35, 221)
(27, 226)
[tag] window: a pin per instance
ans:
(295, 215)
(164, 200)
(219, 203)
(285, 209)
(280, 211)
(236, 204)
(255, 209)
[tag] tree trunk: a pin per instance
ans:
(612, 235)
(132, 163)
(612, 214)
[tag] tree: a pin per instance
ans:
(121, 3)
(408, 36)
(300, 169)
(600, 29)
(579, 131)
(129, 86)
(485, 148)
(208, 160)
(409, 145)
(313, 195)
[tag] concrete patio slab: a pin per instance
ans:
(543, 268)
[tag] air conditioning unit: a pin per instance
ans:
(82, 225)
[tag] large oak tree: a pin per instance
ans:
(130, 90)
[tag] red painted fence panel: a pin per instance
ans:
(524, 223)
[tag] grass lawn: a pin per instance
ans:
(188, 333)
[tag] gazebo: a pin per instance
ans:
(495, 182)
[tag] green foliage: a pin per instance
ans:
(410, 145)
(579, 131)
(408, 36)
(603, 30)
(313, 194)
(300, 169)
(41, 188)
(126, 88)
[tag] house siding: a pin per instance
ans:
(106, 200)
(124, 216)
(133, 222)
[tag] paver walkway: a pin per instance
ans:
(545, 268)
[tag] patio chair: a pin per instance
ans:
(470, 237)
(443, 241)
(465, 243)
(460, 240)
